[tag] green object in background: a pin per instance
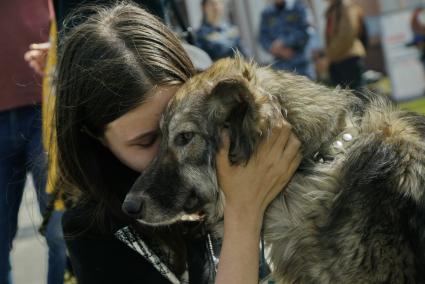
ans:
(417, 105)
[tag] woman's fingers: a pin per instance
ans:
(285, 164)
(284, 179)
(282, 140)
(292, 147)
(274, 143)
(257, 183)
(269, 152)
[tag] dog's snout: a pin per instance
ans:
(192, 203)
(132, 206)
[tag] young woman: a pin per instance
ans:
(117, 71)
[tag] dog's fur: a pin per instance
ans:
(353, 213)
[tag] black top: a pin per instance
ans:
(110, 261)
(102, 258)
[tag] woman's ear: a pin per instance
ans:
(232, 104)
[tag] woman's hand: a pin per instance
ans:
(249, 190)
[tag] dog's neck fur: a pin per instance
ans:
(317, 117)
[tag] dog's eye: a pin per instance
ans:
(183, 138)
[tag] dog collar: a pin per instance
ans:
(342, 142)
(339, 145)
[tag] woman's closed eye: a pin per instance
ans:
(147, 141)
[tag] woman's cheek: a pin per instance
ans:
(143, 157)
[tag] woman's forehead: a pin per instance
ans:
(144, 117)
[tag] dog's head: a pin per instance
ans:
(181, 181)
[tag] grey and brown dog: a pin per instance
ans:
(355, 210)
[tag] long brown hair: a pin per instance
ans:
(107, 65)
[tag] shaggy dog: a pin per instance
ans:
(354, 212)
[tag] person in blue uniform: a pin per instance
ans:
(284, 34)
(215, 36)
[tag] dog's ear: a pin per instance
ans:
(231, 104)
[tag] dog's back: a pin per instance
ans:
(355, 213)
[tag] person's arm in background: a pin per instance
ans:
(36, 56)
(282, 47)
(248, 191)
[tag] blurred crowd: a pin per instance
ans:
(31, 29)
(287, 33)
(418, 27)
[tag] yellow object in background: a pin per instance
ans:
(49, 135)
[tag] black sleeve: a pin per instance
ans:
(100, 259)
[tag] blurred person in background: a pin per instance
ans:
(417, 24)
(344, 48)
(21, 150)
(313, 49)
(215, 36)
(284, 34)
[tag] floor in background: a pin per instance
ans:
(29, 254)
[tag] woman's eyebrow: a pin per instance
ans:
(143, 135)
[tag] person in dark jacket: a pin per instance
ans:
(284, 34)
(116, 73)
(215, 36)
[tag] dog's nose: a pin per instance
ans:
(132, 207)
